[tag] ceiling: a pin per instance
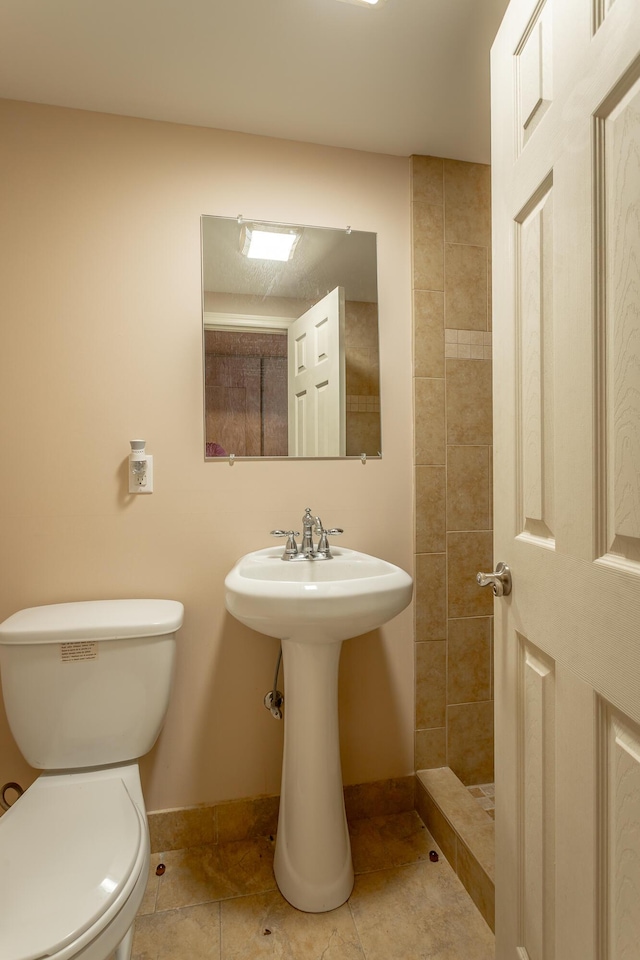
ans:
(409, 77)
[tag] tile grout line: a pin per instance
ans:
(355, 926)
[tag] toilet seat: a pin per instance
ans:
(70, 850)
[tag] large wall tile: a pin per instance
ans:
(427, 179)
(244, 819)
(469, 413)
(428, 332)
(428, 252)
(467, 202)
(467, 553)
(431, 683)
(429, 421)
(469, 660)
(430, 509)
(465, 287)
(431, 596)
(379, 798)
(175, 829)
(471, 724)
(468, 488)
(431, 748)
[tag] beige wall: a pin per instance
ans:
(102, 342)
(451, 215)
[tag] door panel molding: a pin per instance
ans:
(536, 731)
(619, 822)
(535, 363)
(616, 177)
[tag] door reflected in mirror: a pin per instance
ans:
(291, 360)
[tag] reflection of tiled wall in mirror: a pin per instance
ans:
(362, 364)
(246, 393)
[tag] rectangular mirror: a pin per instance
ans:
(291, 360)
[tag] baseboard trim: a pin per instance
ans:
(258, 816)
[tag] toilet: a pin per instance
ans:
(86, 687)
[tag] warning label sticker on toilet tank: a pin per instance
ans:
(83, 650)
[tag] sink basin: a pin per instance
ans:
(316, 601)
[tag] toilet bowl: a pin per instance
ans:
(81, 682)
(77, 844)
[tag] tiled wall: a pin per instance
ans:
(453, 436)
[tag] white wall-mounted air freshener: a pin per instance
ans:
(140, 468)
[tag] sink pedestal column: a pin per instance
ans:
(312, 865)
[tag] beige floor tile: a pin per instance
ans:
(383, 842)
(421, 912)
(192, 933)
(219, 902)
(215, 872)
(266, 926)
(148, 904)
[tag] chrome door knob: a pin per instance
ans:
(500, 580)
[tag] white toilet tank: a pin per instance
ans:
(86, 684)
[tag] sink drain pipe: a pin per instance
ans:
(4, 803)
(274, 699)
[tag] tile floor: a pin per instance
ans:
(485, 794)
(220, 902)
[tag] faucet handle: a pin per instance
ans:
(324, 551)
(291, 548)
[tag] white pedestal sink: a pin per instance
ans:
(312, 606)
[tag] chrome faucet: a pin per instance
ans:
(308, 523)
(306, 550)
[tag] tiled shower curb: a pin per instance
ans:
(465, 833)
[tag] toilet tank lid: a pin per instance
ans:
(92, 620)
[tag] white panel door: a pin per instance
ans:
(317, 399)
(566, 262)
